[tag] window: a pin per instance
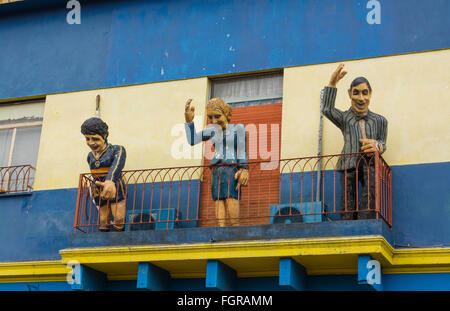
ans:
(20, 132)
(256, 100)
(249, 90)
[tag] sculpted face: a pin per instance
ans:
(217, 117)
(360, 97)
(95, 142)
(218, 112)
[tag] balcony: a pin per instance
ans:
(290, 213)
(288, 192)
(16, 179)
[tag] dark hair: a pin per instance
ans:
(93, 126)
(360, 80)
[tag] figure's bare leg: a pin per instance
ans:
(220, 212)
(118, 211)
(104, 213)
(233, 211)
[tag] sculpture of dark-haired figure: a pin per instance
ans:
(363, 131)
(106, 162)
(229, 165)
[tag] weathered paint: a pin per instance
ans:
(338, 282)
(408, 90)
(151, 143)
(36, 226)
(146, 119)
(131, 42)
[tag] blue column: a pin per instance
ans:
(369, 272)
(219, 276)
(151, 277)
(292, 274)
(88, 279)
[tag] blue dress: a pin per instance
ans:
(108, 166)
(230, 147)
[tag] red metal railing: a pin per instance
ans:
(16, 178)
(281, 191)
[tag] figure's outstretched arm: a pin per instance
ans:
(329, 98)
(189, 111)
(337, 75)
(192, 136)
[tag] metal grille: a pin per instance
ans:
(170, 198)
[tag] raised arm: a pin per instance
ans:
(329, 98)
(189, 111)
(192, 136)
(337, 75)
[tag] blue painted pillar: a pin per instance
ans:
(369, 272)
(219, 276)
(151, 277)
(88, 279)
(292, 274)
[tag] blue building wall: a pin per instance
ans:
(131, 42)
(421, 204)
(36, 227)
(346, 282)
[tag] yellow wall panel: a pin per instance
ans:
(411, 91)
(8, 1)
(148, 120)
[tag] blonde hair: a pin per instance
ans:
(221, 105)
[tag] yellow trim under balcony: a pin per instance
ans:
(33, 271)
(320, 256)
(8, 1)
(261, 257)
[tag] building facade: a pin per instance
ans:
(270, 60)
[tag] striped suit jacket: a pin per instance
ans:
(347, 122)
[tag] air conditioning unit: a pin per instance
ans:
(153, 220)
(299, 212)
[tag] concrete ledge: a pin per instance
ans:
(225, 234)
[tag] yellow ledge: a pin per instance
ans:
(8, 1)
(257, 258)
(33, 271)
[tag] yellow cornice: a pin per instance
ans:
(226, 250)
(422, 256)
(33, 271)
(320, 256)
(429, 260)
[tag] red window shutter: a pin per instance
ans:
(263, 188)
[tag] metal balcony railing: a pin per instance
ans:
(16, 178)
(308, 189)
